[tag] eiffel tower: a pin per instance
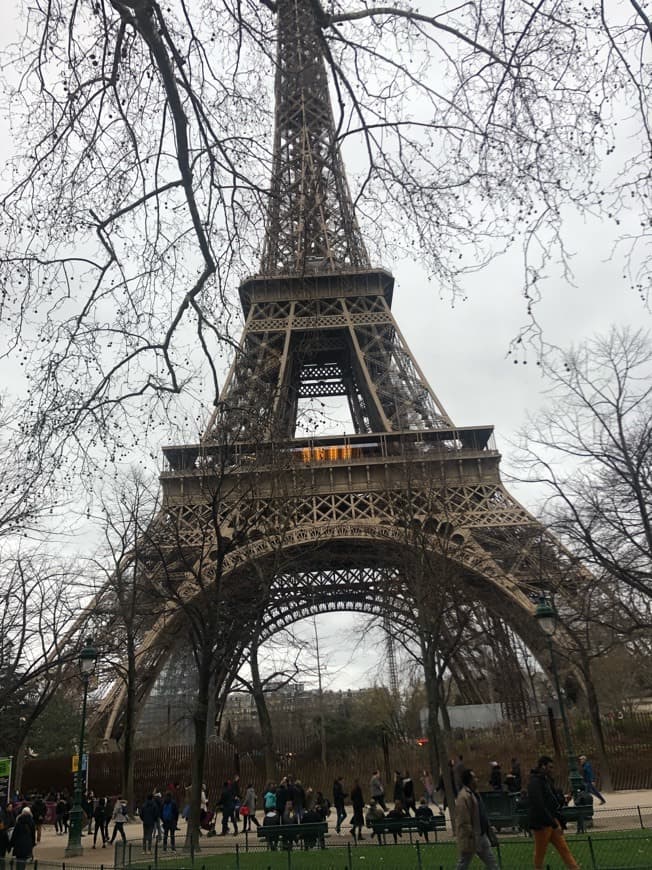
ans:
(319, 324)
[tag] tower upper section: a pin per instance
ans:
(310, 220)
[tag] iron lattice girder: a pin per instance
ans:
(339, 519)
(353, 332)
(310, 219)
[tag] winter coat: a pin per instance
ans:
(338, 793)
(169, 813)
(6, 822)
(543, 805)
(250, 799)
(39, 810)
(23, 839)
(119, 815)
(374, 814)
(227, 800)
(149, 813)
(357, 799)
(467, 821)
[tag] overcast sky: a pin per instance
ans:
(462, 350)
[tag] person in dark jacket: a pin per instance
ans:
(357, 801)
(169, 818)
(338, 801)
(272, 818)
(495, 777)
(227, 802)
(99, 817)
(409, 800)
(39, 812)
(7, 821)
(399, 795)
(397, 813)
(282, 795)
(586, 769)
(544, 816)
(61, 814)
(424, 814)
(23, 838)
(148, 815)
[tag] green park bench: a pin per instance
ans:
(309, 834)
(506, 811)
(502, 809)
(408, 825)
(581, 815)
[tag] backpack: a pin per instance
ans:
(167, 812)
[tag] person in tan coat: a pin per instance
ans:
(472, 825)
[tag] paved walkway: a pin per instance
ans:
(619, 813)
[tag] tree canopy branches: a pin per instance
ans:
(592, 450)
(136, 196)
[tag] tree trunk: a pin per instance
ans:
(435, 733)
(265, 722)
(127, 773)
(200, 721)
(596, 727)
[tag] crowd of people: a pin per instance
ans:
(289, 802)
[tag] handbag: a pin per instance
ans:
(244, 810)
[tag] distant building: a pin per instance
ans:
(468, 716)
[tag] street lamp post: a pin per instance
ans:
(87, 660)
(546, 616)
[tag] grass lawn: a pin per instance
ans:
(611, 851)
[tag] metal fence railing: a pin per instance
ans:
(601, 848)
(631, 851)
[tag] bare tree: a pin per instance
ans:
(27, 471)
(144, 151)
(37, 605)
(199, 554)
(600, 618)
(122, 611)
(260, 686)
(591, 450)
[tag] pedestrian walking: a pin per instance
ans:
(357, 802)
(472, 825)
(148, 816)
(169, 819)
(408, 794)
(589, 778)
(544, 816)
(338, 801)
(227, 802)
(248, 808)
(99, 817)
(23, 838)
(39, 811)
(378, 790)
(119, 819)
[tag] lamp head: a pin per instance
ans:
(546, 616)
(87, 658)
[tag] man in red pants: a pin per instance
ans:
(543, 808)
